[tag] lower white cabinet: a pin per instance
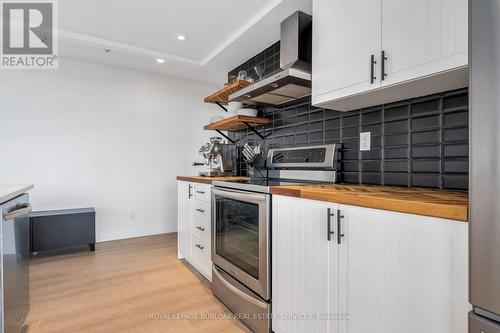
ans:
(388, 273)
(194, 226)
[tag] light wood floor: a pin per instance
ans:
(117, 289)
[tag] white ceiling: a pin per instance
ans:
(221, 34)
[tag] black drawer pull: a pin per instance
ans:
(384, 58)
(200, 228)
(372, 69)
(200, 210)
(329, 224)
(339, 227)
(200, 192)
(200, 247)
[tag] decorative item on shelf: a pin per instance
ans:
(247, 112)
(232, 109)
(242, 75)
(215, 119)
(259, 70)
(220, 97)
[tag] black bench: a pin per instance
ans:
(61, 229)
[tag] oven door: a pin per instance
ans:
(240, 238)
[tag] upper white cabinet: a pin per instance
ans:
(387, 272)
(342, 59)
(423, 37)
(367, 53)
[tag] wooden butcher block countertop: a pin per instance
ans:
(436, 203)
(208, 180)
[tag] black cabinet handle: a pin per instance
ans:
(384, 58)
(200, 210)
(200, 228)
(200, 192)
(339, 227)
(329, 224)
(200, 247)
(372, 69)
(189, 191)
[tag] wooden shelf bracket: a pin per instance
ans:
(226, 137)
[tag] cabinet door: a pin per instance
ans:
(345, 35)
(402, 273)
(304, 278)
(184, 219)
(423, 37)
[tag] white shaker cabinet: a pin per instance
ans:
(421, 38)
(402, 273)
(184, 219)
(389, 272)
(194, 226)
(419, 47)
(304, 266)
(342, 61)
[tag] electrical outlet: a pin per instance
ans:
(364, 141)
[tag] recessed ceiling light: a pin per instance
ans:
(181, 37)
(160, 61)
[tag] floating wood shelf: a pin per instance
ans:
(236, 123)
(221, 96)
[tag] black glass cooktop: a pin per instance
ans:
(260, 184)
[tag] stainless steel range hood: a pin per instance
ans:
(294, 79)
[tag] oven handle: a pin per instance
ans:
(240, 293)
(240, 195)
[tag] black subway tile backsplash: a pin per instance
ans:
(399, 126)
(396, 166)
(396, 140)
(419, 142)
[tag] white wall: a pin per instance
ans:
(110, 138)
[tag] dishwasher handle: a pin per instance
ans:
(18, 211)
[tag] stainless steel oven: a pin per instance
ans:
(241, 224)
(240, 243)
(241, 255)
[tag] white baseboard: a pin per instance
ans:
(131, 233)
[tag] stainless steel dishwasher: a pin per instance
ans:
(15, 263)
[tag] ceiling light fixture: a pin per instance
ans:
(181, 37)
(160, 61)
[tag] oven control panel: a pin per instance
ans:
(312, 157)
(300, 156)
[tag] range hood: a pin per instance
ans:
(294, 79)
